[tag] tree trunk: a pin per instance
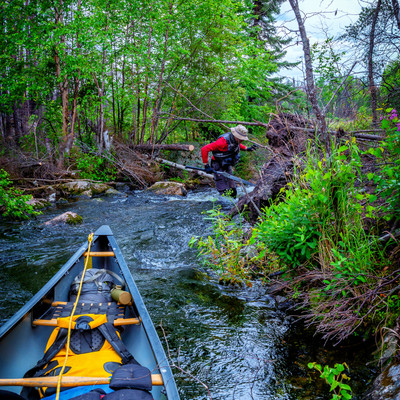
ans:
(371, 81)
(311, 89)
(100, 92)
(396, 11)
(182, 167)
(63, 87)
(146, 88)
(154, 122)
(74, 109)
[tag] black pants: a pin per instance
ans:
(224, 185)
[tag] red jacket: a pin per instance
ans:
(219, 145)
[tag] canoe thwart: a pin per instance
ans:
(99, 254)
(117, 322)
(68, 381)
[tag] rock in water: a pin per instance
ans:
(169, 188)
(68, 217)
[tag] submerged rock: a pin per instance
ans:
(169, 188)
(114, 192)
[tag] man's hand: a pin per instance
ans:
(208, 169)
(252, 148)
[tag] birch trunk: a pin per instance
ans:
(310, 83)
(371, 81)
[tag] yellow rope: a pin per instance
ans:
(90, 239)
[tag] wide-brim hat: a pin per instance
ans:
(240, 132)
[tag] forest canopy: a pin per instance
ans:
(98, 68)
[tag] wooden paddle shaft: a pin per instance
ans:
(68, 381)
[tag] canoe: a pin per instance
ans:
(24, 336)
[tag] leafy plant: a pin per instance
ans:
(230, 254)
(321, 205)
(94, 167)
(388, 179)
(334, 377)
(14, 204)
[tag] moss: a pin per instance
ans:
(74, 219)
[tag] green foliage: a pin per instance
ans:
(14, 204)
(289, 229)
(322, 203)
(334, 378)
(362, 120)
(230, 254)
(327, 68)
(330, 70)
(115, 53)
(92, 166)
(388, 179)
(390, 85)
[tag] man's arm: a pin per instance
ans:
(219, 145)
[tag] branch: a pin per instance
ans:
(218, 121)
(338, 88)
(173, 365)
(180, 94)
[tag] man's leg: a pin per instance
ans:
(225, 186)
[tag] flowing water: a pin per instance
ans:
(226, 343)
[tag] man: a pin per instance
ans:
(225, 152)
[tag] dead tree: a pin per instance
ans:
(310, 83)
(371, 80)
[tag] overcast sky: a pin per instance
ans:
(324, 18)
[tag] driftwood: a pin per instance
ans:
(152, 147)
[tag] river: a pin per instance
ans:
(234, 341)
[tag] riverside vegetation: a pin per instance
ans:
(324, 237)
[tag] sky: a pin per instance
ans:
(324, 18)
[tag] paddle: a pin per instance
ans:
(226, 174)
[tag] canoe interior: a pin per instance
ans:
(22, 344)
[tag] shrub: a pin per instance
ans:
(322, 204)
(95, 167)
(229, 252)
(388, 179)
(14, 204)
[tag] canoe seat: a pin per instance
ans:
(115, 313)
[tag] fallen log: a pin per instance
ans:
(180, 166)
(367, 136)
(152, 147)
